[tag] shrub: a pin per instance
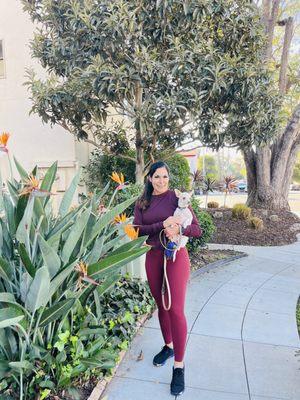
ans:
(100, 166)
(180, 172)
(212, 204)
(256, 223)
(241, 211)
(207, 226)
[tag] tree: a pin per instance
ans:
(208, 166)
(173, 69)
(270, 167)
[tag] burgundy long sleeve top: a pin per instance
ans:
(150, 221)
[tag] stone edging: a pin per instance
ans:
(216, 264)
(101, 385)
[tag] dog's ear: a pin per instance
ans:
(191, 192)
(177, 192)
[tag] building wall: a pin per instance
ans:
(31, 142)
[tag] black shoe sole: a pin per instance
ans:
(160, 365)
(177, 394)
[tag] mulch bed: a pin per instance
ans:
(274, 233)
(203, 257)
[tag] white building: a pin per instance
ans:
(31, 142)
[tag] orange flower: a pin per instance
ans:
(31, 186)
(3, 142)
(131, 232)
(120, 219)
(4, 138)
(119, 178)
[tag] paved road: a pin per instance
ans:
(242, 335)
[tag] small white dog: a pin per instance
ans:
(182, 211)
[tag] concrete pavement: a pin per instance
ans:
(242, 334)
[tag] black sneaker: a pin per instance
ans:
(177, 384)
(161, 358)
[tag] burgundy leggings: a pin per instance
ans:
(173, 322)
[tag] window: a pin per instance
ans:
(1, 60)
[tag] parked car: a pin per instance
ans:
(242, 186)
(294, 186)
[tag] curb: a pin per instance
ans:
(216, 264)
(102, 384)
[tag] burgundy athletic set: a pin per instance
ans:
(150, 221)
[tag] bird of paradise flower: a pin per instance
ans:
(82, 268)
(120, 219)
(118, 178)
(3, 142)
(131, 232)
(129, 229)
(4, 136)
(31, 188)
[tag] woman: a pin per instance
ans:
(153, 213)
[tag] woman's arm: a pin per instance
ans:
(145, 229)
(193, 230)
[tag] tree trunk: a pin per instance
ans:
(140, 165)
(140, 161)
(270, 169)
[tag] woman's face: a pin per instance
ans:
(160, 180)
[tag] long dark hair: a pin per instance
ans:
(144, 201)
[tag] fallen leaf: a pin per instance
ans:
(140, 356)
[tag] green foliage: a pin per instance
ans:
(241, 211)
(180, 172)
(45, 265)
(208, 166)
(121, 307)
(165, 65)
(131, 190)
(237, 168)
(99, 168)
(256, 223)
(98, 171)
(207, 226)
(212, 204)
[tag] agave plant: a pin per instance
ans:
(209, 185)
(197, 179)
(50, 267)
(230, 184)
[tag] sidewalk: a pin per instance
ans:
(242, 334)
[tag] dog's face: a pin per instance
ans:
(184, 198)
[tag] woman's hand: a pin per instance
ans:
(170, 232)
(172, 221)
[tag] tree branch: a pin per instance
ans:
(266, 12)
(289, 137)
(270, 28)
(288, 34)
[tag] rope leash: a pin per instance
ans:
(168, 254)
